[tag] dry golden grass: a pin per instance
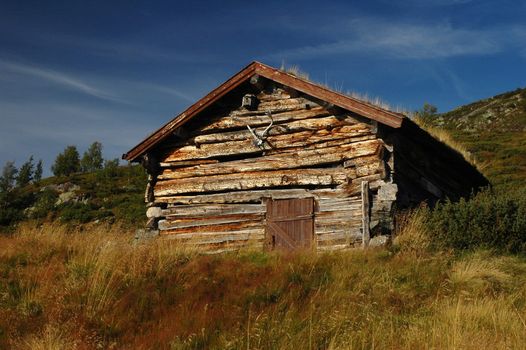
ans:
(97, 288)
(411, 236)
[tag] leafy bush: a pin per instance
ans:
(488, 220)
(44, 204)
(83, 212)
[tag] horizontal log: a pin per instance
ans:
(338, 235)
(335, 223)
(289, 160)
(344, 215)
(310, 124)
(332, 204)
(281, 110)
(329, 227)
(360, 161)
(207, 221)
(252, 196)
(329, 193)
(212, 209)
(252, 180)
(278, 105)
(345, 207)
(272, 143)
(187, 163)
(330, 142)
(327, 224)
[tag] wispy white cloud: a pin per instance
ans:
(128, 89)
(404, 40)
(58, 78)
(169, 91)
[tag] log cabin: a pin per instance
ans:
(270, 160)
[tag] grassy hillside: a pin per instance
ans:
(494, 132)
(60, 290)
(113, 194)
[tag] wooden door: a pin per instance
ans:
(290, 223)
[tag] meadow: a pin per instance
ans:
(68, 288)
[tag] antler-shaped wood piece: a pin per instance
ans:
(259, 140)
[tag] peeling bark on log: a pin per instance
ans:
(310, 124)
(252, 180)
(207, 221)
(289, 160)
(187, 163)
(211, 210)
(272, 143)
(252, 196)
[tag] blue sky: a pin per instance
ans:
(75, 72)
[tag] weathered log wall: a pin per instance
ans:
(211, 182)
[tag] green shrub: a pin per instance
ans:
(488, 220)
(45, 203)
(82, 213)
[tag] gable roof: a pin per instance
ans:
(351, 104)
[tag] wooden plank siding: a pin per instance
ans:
(213, 184)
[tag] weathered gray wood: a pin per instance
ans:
(207, 221)
(252, 180)
(211, 209)
(354, 187)
(340, 206)
(338, 214)
(187, 163)
(278, 104)
(315, 139)
(388, 192)
(239, 119)
(366, 236)
(252, 196)
(213, 181)
(310, 124)
(222, 227)
(289, 160)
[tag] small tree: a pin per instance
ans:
(111, 163)
(25, 174)
(38, 172)
(92, 158)
(426, 114)
(7, 180)
(66, 162)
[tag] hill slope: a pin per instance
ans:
(494, 131)
(113, 194)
